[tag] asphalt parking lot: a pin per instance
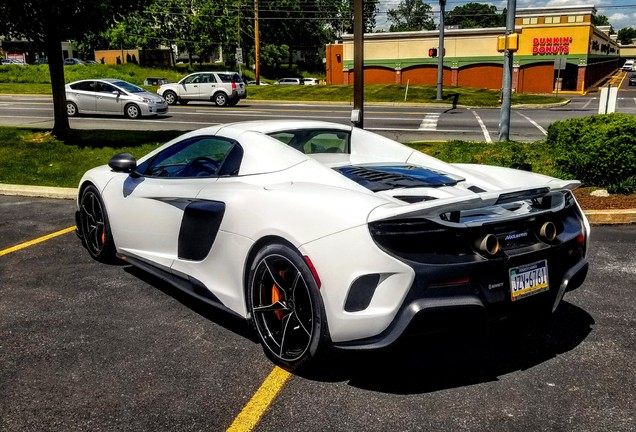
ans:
(85, 346)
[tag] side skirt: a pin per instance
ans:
(190, 286)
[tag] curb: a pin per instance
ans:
(595, 217)
(38, 191)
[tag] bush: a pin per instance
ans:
(599, 150)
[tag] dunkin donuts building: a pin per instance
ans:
(558, 49)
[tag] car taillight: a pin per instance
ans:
(233, 86)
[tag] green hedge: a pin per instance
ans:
(599, 150)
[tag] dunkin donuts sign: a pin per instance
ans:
(553, 45)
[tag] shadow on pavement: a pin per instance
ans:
(432, 363)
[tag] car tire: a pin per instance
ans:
(286, 308)
(71, 109)
(220, 99)
(132, 111)
(170, 97)
(94, 228)
(233, 102)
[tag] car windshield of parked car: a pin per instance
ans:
(202, 156)
(130, 88)
(312, 141)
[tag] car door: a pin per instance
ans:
(147, 209)
(83, 94)
(107, 98)
(189, 87)
(207, 86)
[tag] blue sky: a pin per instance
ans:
(621, 13)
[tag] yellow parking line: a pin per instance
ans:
(36, 241)
(262, 399)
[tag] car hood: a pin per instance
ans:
(153, 97)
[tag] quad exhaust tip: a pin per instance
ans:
(488, 244)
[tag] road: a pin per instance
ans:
(86, 346)
(404, 123)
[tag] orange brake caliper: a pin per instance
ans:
(276, 296)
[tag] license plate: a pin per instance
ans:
(528, 279)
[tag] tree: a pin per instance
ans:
(626, 35)
(602, 20)
(411, 15)
(340, 16)
(47, 23)
(475, 15)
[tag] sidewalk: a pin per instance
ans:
(596, 217)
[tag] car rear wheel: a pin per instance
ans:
(94, 227)
(220, 99)
(71, 109)
(286, 308)
(132, 111)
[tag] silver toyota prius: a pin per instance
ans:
(112, 96)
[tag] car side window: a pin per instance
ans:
(204, 156)
(84, 86)
(315, 141)
(193, 79)
(105, 88)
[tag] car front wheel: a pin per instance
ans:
(170, 97)
(94, 227)
(220, 99)
(132, 111)
(286, 308)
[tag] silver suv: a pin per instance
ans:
(222, 88)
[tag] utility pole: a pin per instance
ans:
(357, 115)
(440, 51)
(506, 81)
(257, 46)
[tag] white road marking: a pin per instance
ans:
(534, 123)
(587, 104)
(429, 122)
(483, 127)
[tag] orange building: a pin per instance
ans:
(472, 59)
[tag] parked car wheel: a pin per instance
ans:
(94, 227)
(71, 109)
(220, 99)
(170, 97)
(132, 111)
(286, 307)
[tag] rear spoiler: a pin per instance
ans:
(498, 202)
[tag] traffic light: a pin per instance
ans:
(432, 52)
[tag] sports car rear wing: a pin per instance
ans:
(483, 207)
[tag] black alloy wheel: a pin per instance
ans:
(286, 307)
(94, 227)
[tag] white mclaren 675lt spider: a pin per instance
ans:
(329, 236)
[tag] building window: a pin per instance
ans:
(575, 18)
(528, 21)
(552, 20)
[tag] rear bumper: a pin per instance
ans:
(469, 306)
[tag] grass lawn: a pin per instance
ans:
(35, 157)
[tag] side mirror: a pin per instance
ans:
(116, 92)
(123, 162)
